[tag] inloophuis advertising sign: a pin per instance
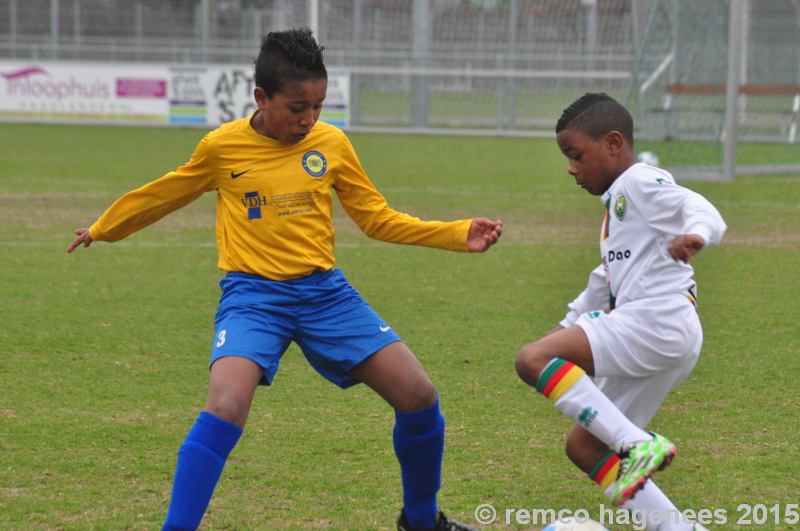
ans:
(142, 94)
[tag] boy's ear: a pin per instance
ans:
(614, 141)
(260, 97)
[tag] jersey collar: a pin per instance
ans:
(606, 197)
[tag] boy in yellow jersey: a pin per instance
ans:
(274, 173)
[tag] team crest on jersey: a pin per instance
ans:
(315, 163)
(620, 207)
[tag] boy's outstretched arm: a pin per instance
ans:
(151, 202)
(675, 210)
(483, 233)
(82, 237)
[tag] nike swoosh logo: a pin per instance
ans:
(235, 175)
(385, 328)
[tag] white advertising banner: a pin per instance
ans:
(82, 92)
(203, 96)
(217, 94)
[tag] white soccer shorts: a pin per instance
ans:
(642, 350)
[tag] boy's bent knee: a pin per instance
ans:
(228, 408)
(530, 362)
(422, 396)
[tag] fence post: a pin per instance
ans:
(590, 46)
(732, 90)
(54, 29)
(356, 45)
(313, 17)
(420, 93)
(204, 29)
(76, 25)
(12, 26)
(513, 16)
(138, 28)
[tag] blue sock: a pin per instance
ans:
(200, 462)
(419, 445)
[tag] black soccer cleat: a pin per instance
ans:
(442, 524)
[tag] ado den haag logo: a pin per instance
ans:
(620, 207)
(315, 163)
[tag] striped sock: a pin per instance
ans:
(577, 398)
(605, 471)
(651, 501)
(557, 377)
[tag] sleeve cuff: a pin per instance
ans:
(701, 230)
(569, 319)
(95, 233)
(461, 233)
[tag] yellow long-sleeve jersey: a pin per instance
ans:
(274, 202)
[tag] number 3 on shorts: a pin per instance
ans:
(221, 338)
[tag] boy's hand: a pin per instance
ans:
(483, 233)
(685, 246)
(81, 238)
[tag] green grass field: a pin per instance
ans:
(104, 352)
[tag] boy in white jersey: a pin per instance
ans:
(633, 334)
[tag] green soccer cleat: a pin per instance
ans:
(641, 462)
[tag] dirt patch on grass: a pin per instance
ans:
(44, 211)
(56, 210)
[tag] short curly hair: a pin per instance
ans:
(595, 114)
(288, 57)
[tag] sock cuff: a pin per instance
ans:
(420, 422)
(606, 470)
(214, 433)
(558, 376)
(191, 446)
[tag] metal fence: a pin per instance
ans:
(419, 63)
(496, 66)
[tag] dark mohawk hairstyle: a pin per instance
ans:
(288, 57)
(595, 114)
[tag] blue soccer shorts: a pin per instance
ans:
(335, 328)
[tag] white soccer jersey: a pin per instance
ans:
(645, 210)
